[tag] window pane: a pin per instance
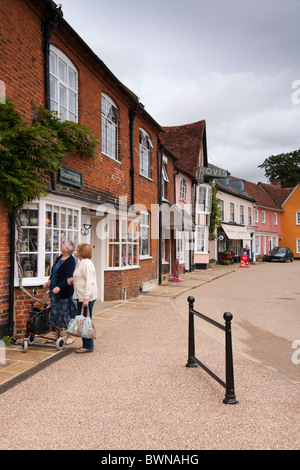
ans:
(72, 102)
(55, 216)
(53, 106)
(53, 63)
(53, 93)
(63, 217)
(29, 265)
(69, 218)
(63, 95)
(30, 241)
(55, 240)
(48, 221)
(63, 113)
(48, 264)
(62, 68)
(72, 79)
(48, 240)
(114, 256)
(76, 220)
(124, 229)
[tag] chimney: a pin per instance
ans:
(276, 183)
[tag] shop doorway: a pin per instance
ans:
(99, 244)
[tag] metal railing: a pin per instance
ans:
(230, 397)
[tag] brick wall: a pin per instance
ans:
(104, 180)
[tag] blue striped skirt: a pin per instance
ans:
(62, 310)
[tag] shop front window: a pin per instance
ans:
(45, 226)
(123, 243)
(61, 224)
(29, 244)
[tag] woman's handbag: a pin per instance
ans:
(83, 327)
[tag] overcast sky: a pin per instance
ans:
(230, 62)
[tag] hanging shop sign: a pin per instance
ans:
(70, 176)
(213, 172)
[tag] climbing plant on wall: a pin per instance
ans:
(215, 216)
(29, 151)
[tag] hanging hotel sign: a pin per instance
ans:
(213, 172)
(70, 176)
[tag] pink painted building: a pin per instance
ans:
(267, 218)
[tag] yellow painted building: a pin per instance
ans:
(290, 222)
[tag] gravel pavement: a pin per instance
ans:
(136, 393)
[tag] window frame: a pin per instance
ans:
(249, 216)
(121, 241)
(164, 180)
(202, 231)
(145, 228)
(242, 214)
(145, 154)
(183, 189)
(42, 227)
(222, 207)
(180, 245)
(57, 82)
(110, 128)
(204, 201)
(231, 212)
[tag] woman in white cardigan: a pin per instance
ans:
(85, 285)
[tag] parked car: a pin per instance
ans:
(281, 253)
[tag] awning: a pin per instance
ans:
(235, 232)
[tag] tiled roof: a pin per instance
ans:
(277, 193)
(232, 189)
(185, 142)
(268, 195)
(261, 197)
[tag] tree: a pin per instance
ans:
(284, 167)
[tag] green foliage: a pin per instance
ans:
(215, 216)
(284, 167)
(28, 151)
(6, 340)
(75, 137)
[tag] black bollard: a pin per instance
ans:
(230, 397)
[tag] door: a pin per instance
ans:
(99, 244)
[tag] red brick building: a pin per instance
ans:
(43, 59)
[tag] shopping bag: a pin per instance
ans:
(82, 327)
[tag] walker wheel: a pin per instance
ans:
(25, 345)
(60, 343)
(31, 340)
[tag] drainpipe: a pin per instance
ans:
(13, 216)
(48, 28)
(159, 169)
(132, 116)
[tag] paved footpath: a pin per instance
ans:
(135, 393)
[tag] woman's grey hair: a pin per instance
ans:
(70, 246)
